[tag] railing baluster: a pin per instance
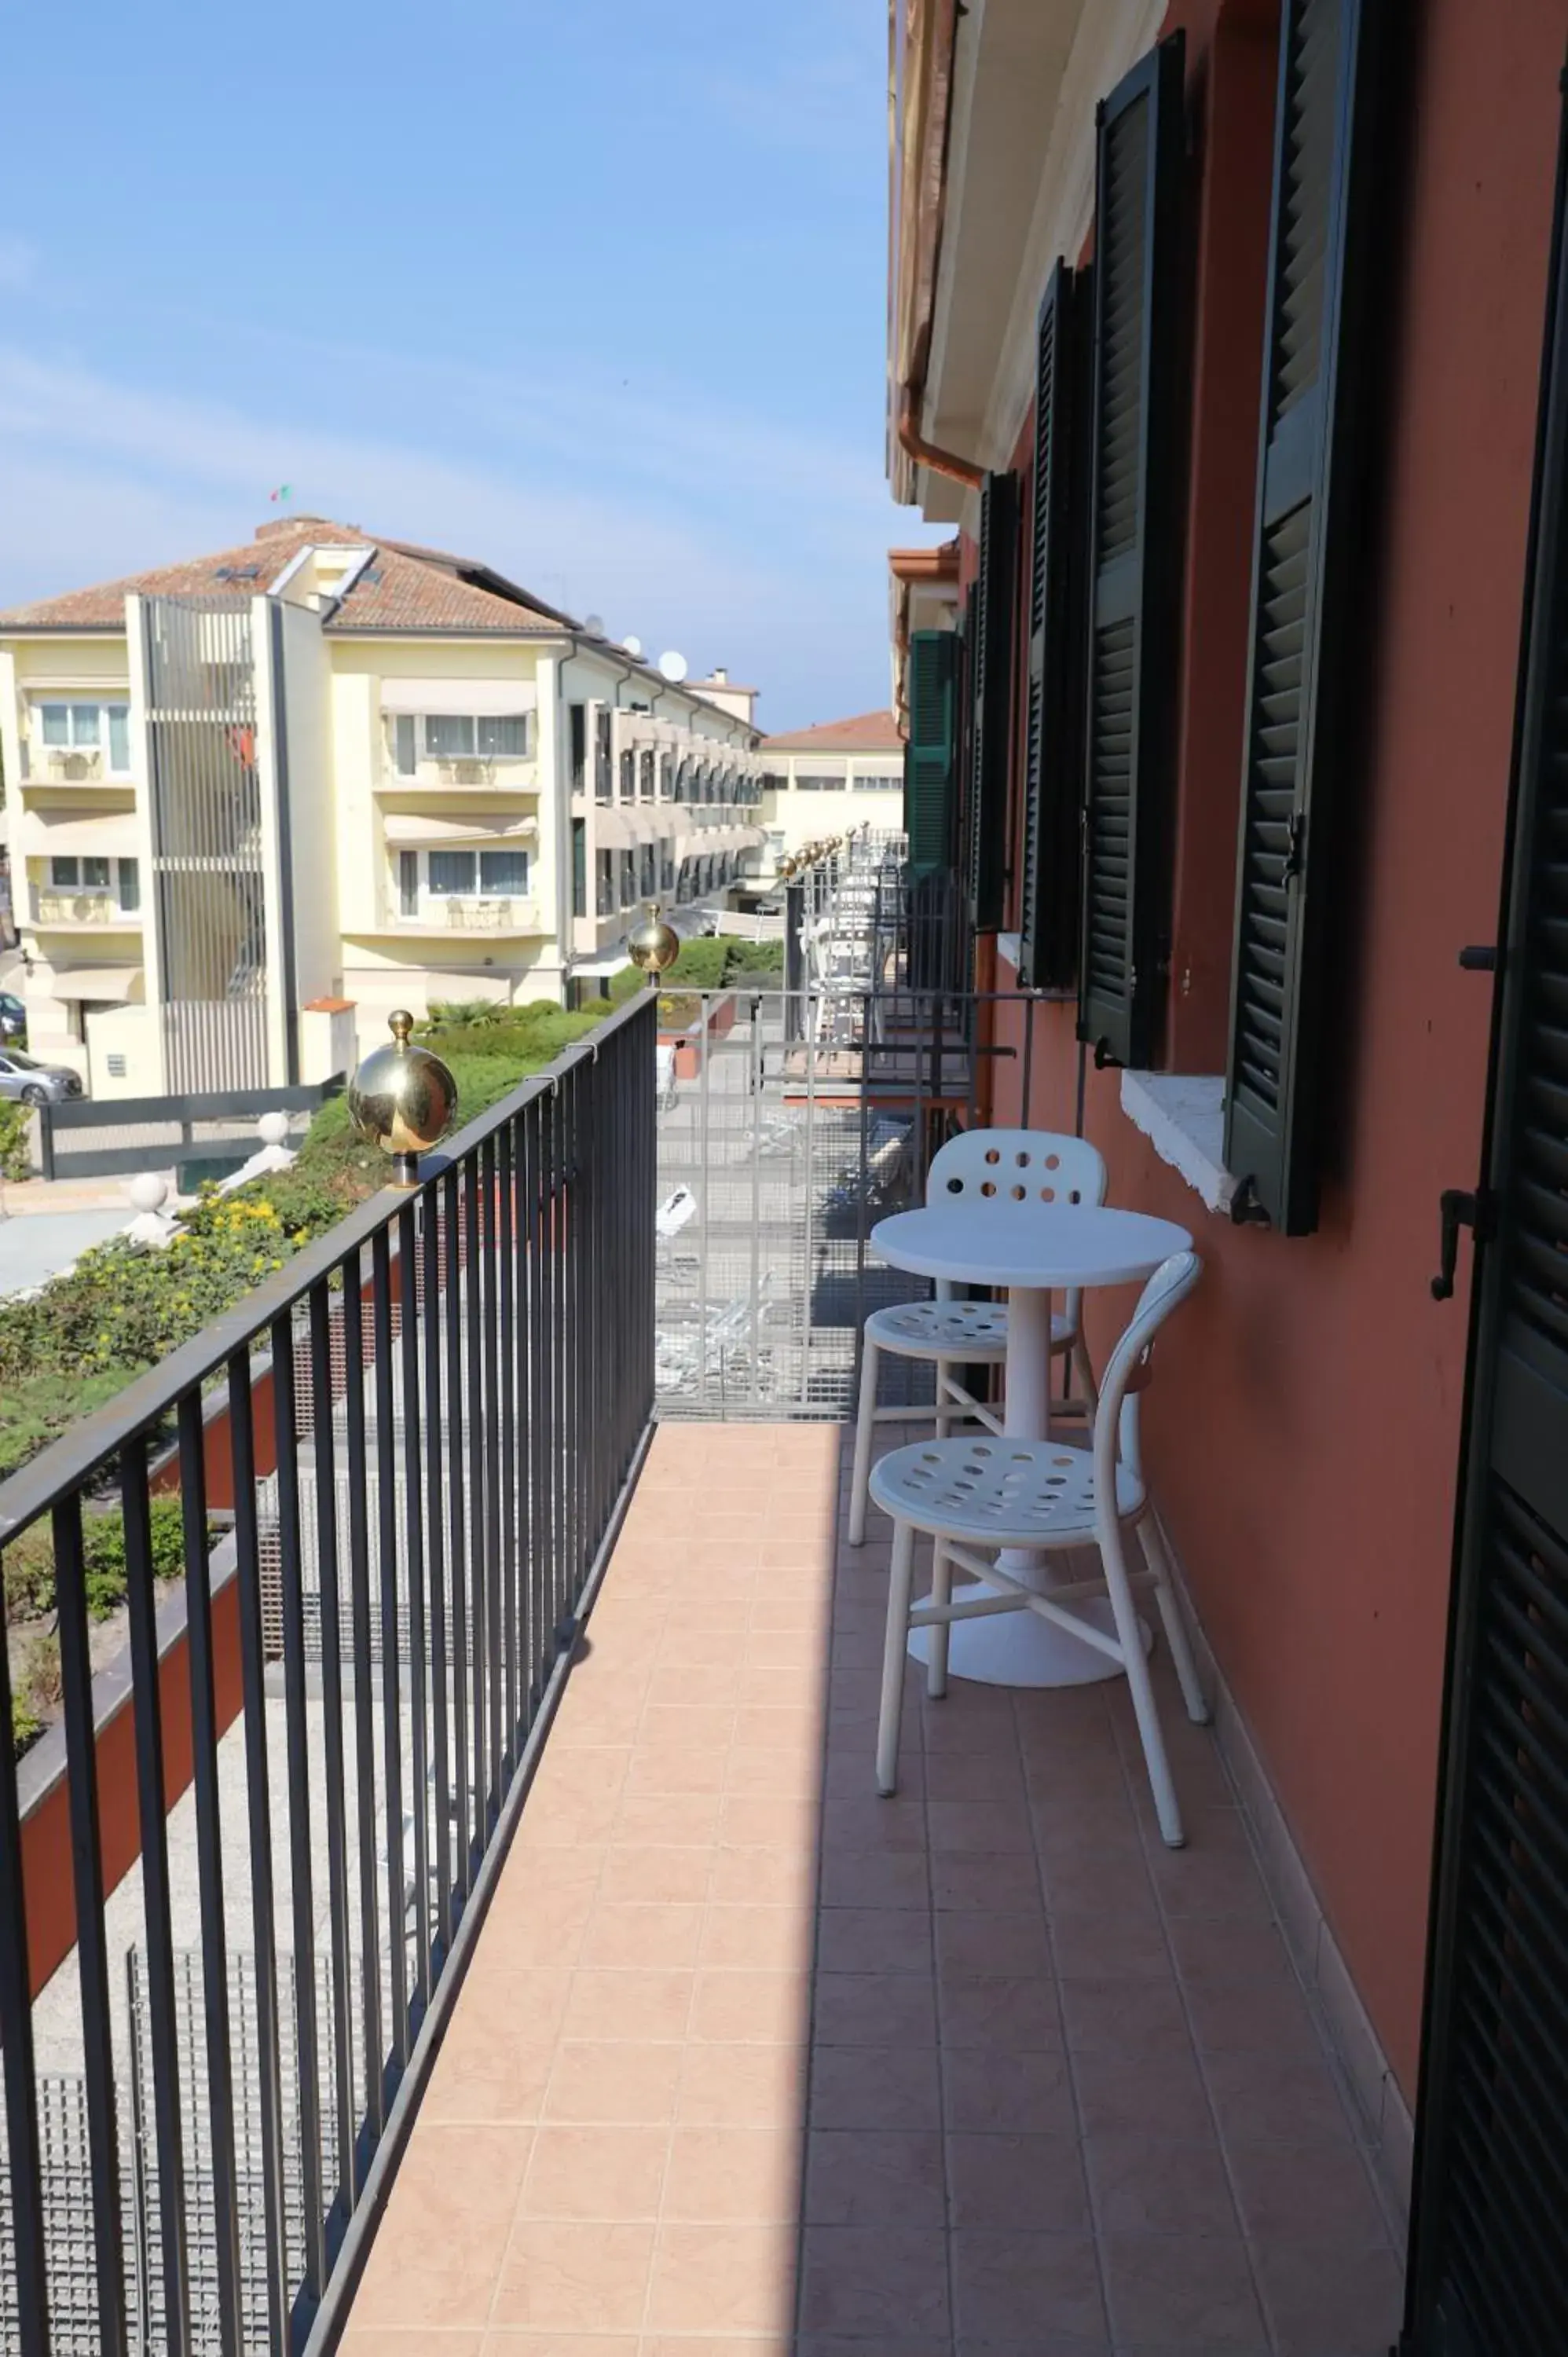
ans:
(535, 1120)
(152, 1808)
(392, 1645)
(92, 1951)
(258, 1788)
(22, 2154)
(457, 1556)
(418, 1638)
(297, 1743)
(323, 1411)
(491, 1254)
(436, 1470)
(473, 1563)
(370, 2039)
(507, 1451)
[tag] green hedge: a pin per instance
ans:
(15, 1160)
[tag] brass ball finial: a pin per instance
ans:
(654, 946)
(402, 1099)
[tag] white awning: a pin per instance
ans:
(488, 698)
(119, 983)
(613, 829)
(113, 836)
(414, 826)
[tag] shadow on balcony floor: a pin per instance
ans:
(749, 2061)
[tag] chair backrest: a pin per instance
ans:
(1128, 1369)
(1015, 1166)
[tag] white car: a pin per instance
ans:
(34, 1083)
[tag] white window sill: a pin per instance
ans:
(1182, 1117)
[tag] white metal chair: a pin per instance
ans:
(979, 1167)
(997, 1493)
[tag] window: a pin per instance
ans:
(992, 684)
(1134, 543)
(86, 874)
(645, 774)
(119, 737)
(408, 883)
(1048, 899)
(808, 783)
(503, 875)
(577, 716)
(628, 878)
(455, 737)
(650, 870)
(666, 777)
(667, 871)
(606, 882)
(931, 769)
(87, 728)
(579, 862)
(130, 885)
(1305, 567)
(451, 871)
(628, 776)
(604, 773)
(404, 752)
(873, 781)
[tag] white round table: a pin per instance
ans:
(1034, 1250)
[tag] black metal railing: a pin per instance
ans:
(426, 1423)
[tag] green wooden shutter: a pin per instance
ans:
(930, 757)
(991, 720)
(1303, 601)
(1133, 559)
(1048, 909)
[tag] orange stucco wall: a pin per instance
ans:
(1304, 1432)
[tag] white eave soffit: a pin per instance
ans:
(484, 698)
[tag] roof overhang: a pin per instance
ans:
(113, 983)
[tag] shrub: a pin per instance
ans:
(35, 1409)
(30, 1561)
(26, 1725)
(15, 1161)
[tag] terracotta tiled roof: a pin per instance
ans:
(402, 588)
(864, 732)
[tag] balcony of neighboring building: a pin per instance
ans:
(74, 892)
(446, 753)
(77, 749)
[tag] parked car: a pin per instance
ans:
(35, 1083)
(12, 1016)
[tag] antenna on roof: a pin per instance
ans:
(673, 666)
(595, 626)
(633, 646)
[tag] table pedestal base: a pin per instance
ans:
(1020, 1649)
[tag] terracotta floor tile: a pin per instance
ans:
(854, 2278)
(975, 1776)
(695, 1685)
(1284, 2099)
(1121, 2017)
(431, 2341)
(874, 2088)
(666, 1873)
(1007, 2015)
(792, 1773)
(736, 2007)
(873, 2010)
(1312, 2193)
(535, 1920)
(1144, 2184)
(874, 1878)
(640, 1933)
(643, 2007)
(741, 2280)
(693, 1643)
(615, 2173)
(1032, 2182)
(662, 1773)
(1005, 1882)
(1177, 2289)
(874, 1940)
(1099, 1882)
(685, 1726)
(1325, 2300)
(757, 1877)
(756, 1938)
(978, 1827)
(441, 2244)
(599, 2083)
(744, 2086)
(1111, 1948)
(779, 1726)
(1011, 1945)
(855, 2179)
(768, 1820)
(567, 2277)
(724, 2175)
(575, 1820)
(1155, 2090)
(860, 1820)
(991, 2090)
(1020, 2288)
(1268, 2017)
(667, 1819)
(1226, 1954)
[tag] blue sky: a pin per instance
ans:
(591, 289)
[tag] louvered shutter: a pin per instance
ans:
(930, 757)
(1303, 601)
(1487, 2266)
(990, 709)
(1048, 909)
(1134, 554)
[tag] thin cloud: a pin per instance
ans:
(18, 261)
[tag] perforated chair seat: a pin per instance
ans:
(974, 1331)
(999, 1493)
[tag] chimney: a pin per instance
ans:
(720, 675)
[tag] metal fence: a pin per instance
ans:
(84, 1137)
(482, 1416)
(803, 1117)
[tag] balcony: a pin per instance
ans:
(73, 911)
(683, 2041)
(500, 775)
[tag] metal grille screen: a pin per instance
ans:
(206, 842)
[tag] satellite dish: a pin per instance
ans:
(673, 667)
(595, 626)
(632, 646)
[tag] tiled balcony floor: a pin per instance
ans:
(750, 2060)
